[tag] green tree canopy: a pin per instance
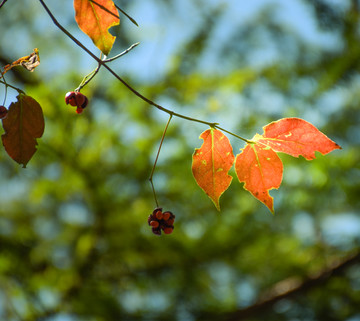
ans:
(74, 239)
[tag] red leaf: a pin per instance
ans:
(296, 137)
(211, 164)
(261, 169)
(94, 18)
(23, 124)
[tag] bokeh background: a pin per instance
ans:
(74, 240)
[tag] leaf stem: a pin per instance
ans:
(11, 86)
(235, 135)
(156, 159)
(123, 53)
(130, 18)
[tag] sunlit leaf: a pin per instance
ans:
(23, 124)
(260, 169)
(295, 136)
(94, 18)
(211, 164)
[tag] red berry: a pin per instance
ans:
(166, 216)
(154, 223)
(76, 99)
(159, 215)
(157, 209)
(70, 98)
(85, 103)
(168, 230)
(170, 222)
(3, 112)
(79, 110)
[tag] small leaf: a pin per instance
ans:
(261, 169)
(23, 124)
(211, 164)
(29, 62)
(95, 18)
(295, 136)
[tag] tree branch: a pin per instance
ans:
(147, 100)
(285, 289)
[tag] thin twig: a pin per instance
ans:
(156, 159)
(2, 3)
(123, 53)
(134, 91)
(131, 19)
(13, 87)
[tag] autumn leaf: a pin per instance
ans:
(261, 169)
(29, 62)
(23, 124)
(211, 164)
(95, 18)
(295, 136)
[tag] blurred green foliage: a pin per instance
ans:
(74, 240)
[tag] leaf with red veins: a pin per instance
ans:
(211, 164)
(295, 136)
(260, 169)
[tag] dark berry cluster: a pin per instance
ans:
(75, 98)
(160, 220)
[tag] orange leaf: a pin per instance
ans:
(23, 124)
(95, 17)
(261, 169)
(211, 164)
(295, 136)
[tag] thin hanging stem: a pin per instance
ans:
(156, 159)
